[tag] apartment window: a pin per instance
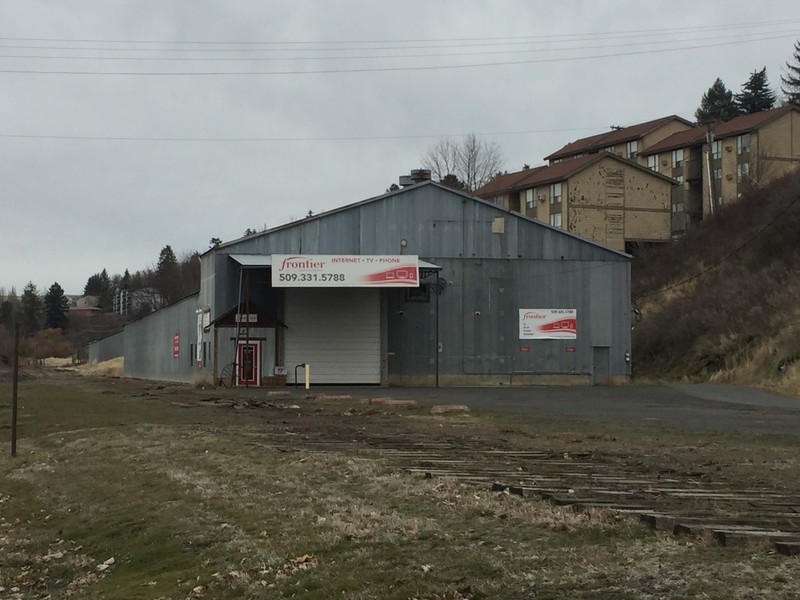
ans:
(679, 179)
(716, 150)
(717, 173)
(652, 162)
(530, 197)
(742, 172)
(555, 219)
(555, 193)
(743, 143)
(631, 149)
(677, 158)
(677, 207)
(609, 149)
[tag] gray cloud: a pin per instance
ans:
(73, 207)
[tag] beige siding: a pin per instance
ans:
(778, 140)
(612, 203)
(663, 132)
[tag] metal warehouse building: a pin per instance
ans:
(422, 286)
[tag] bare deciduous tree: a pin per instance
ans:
(472, 160)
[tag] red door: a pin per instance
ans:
(248, 362)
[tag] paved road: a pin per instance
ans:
(700, 407)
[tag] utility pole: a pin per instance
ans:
(14, 392)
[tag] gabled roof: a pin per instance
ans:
(750, 122)
(417, 186)
(564, 170)
(503, 183)
(737, 126)
(680, 139)
(613, 137)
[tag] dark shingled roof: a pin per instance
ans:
(503, 183)
(551, 174)
(737, 126)
(611, 138)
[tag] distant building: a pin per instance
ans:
(716, 165)
(134, 301)
(84, 305)
(628, 142)
(599, 196)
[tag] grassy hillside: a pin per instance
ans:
(723, 304)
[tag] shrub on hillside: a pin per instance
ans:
(743, 267)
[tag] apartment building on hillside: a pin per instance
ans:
(715, 166)
(627, 142)
(600, 196)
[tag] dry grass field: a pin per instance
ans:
(129, 489)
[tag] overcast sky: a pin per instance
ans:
(265, 110)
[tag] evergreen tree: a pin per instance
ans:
(755, 95)
(167, 275)
(166, 259)
(56, 307)
(100, 285)
(717, 105)
(6, 313)
(791, 83)
(453, 182)
(30, 308)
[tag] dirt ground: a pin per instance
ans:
(656, 471)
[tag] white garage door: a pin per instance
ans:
(335, 330)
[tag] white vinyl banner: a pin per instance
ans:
(548, 323)
(344, 270)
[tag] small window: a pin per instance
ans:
(743, 143)
(679, 179)
(716, 150)
(742, 172)
(555, 219)
(419, 294)
(555, 193)
(631, 149)
(205, 353)
(677, 158)
(677, 207)
(191, 354)
(717, 173)
(530, 197)
(609, 149)
(652, 162)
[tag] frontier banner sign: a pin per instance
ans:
(548, 324)
(344, 270)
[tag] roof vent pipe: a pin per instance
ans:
(417, 176)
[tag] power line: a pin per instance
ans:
(692, 35)
(696, 28)
(280, 139)
(392, 69)
(737, 37)
(724, 258)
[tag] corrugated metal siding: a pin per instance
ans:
(335, 330)
(107, 348)
(148, 343)
(534, 265)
